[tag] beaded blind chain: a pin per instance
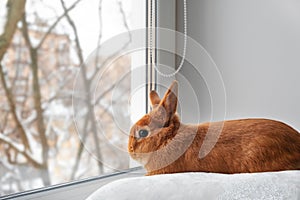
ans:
(152, 18)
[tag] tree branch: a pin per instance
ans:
(86, 83)
(125, 23)
(66, 11)
(14, 14)
(80, 149)
(37, 100)
(72, 24)
(20, 150)
(100, 32)
(12, 106)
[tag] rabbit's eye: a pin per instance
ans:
(143, 133)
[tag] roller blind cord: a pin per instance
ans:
(152, 18)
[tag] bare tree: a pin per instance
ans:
(15, 12)
(30, 137)
(90, 124)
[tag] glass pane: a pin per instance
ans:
(65, 97)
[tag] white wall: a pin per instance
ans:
(256, 46)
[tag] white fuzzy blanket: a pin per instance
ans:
(283, 185)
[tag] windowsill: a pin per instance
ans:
(75, 190)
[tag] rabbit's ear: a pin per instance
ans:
(169, 102)
(154, 98)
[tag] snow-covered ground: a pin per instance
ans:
(259, 186)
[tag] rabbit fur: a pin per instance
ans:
(238, 146)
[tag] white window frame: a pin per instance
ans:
(159, 14)
(138, 60)
(164, 16)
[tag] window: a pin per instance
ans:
(162, 55)
(66, 113)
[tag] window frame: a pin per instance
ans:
(164, 17)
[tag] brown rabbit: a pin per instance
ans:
(164, 145)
